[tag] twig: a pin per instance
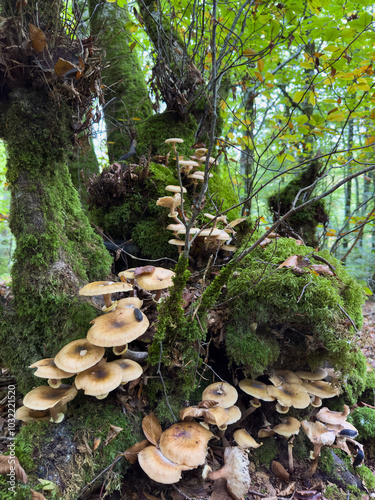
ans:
(349, 318)
(321, 259)
(162, 381)
(303, 290)
(181, 492)
(99, 475)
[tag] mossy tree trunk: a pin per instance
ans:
(56, 248)
(126, 94)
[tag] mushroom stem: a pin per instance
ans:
(135, 355)
(157, 295)
(290, 455)
(54, 383)
(107, 299)
(247, 412)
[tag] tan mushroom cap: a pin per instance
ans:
(288, 428)
(317, 374)
(210, 159)
(281, 376)
(45, 397)
(244, 440)
(175, 227)
(188, 163)
(134, 302)
(212, 232)
(175, 189)
(128, 273)
(179, 243)
(228, 248)
(131, 370)
(104, 287)
(217, 415)
(256, 389)
(318, 434)
(159, 468)
(99, 379)
(46, 368)
(27, 415)
(161, 278)
(200, 152)
(321, 389)
(234, 414)
(332, 417)
(185, 443)
(173, 141)
(193, 230)
(116, 328)
(78, 355)
(290, 395)
(223, 393)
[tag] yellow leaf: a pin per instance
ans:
(248, 52)
(306, 65)
(260, 65)
(312, 99)
(299, 95)
(270, 85)
(370, 140)
(259, 76)
(135, 118)
(208, 58)
(223, 105)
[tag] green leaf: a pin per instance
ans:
(367, 290)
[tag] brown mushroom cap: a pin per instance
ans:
(288, 428)
(221, 392)
(78, 355)
(46, 368)
(134, 302)
(104, 287)
(234, 414)
(131, 370)
(28, 415)
(117, 328)
(332, 417)
(99, 379)
(244, 440)
(256, 389)
(185, 443)
(317, 374)
(321, 389)
(281, 376)
(159, 280)
(290, 395)
(45, 397)
(159, 468)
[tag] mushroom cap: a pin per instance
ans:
(117, 328)
(256, 389)
(128, 273)
(175, 227)
(318, 432)
(223, 393)
(99, 379)
(104, 287)
(28, 415)
(288, 427)
(290, 395)
(134, 302)
(212, 232)
(228, 248)
(281, 376)
(235, 471)
(234, 414)
(131, 370)
(159, 468)
(78, 355)
(188, 163)
(210, 159)
(216, 415)
(193, 230)
(173, 141)
(244, 440)
(176, 189)
(46, 368)
(170, 202)
(321, 389)
(179, 243)
(200, 152)
(45, 397)
(317, 374)
(332, 417)
(185, 443)
(161, 278)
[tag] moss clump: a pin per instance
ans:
(363, 419)
(224, 197)
(367, 477)
(302, 311)
(266, 453)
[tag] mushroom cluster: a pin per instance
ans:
(290, 389)
(212, 237)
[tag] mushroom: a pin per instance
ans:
(319, 436)
(174, 141)
(158, 467)
(159, 280)
(288, 395)
(235, 472)
(100, 379)
(178, 243)
(133, 302)
(187, 165)
(288, 428)
(256, 389)
(171, 202)
(105, 288)
(221, 392)
(78, 355)
(317, 374)
(176, 189)
(27, 415)
(320, 390)
(131, 370)
(185, 443)
(215, 415)
(278, 377)
(244, 440)
(46, 368)
(117, 328)
(332, 417)
(45, 397)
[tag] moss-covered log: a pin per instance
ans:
(56, 248)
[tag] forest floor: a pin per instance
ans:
(264, 484)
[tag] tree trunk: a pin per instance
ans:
(56, 250)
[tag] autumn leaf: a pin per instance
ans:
(152, 428)
(8, 464)
(63, 67)
(37, 37)
(131, 454)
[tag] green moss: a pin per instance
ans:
(21, 491)
(367, 477)
(363, 419)
(224, 197)
(305, 309)
(266, 453)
